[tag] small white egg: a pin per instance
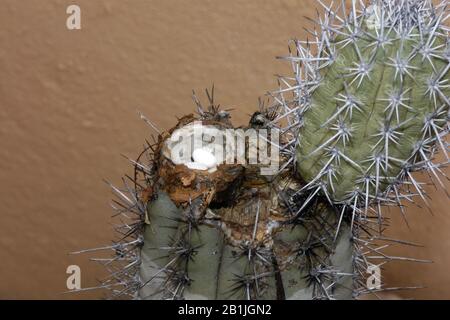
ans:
(204, 157)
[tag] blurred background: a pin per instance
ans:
(68, 109)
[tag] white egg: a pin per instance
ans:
(204, 157)
(196, 166)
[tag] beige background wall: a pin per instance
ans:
(68, 109)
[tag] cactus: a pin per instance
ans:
(381, 120)
(196, 229)
(366, 107)
(227, 232)
(371, 101)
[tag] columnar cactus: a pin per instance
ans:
(367, 106)
(371, 101)
(224, 231)
(228, 233)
